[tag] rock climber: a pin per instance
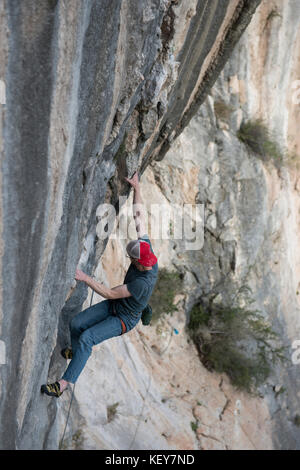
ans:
(121, 311)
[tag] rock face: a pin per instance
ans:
(250, 238)
(93, 91)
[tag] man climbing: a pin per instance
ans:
(122, 309)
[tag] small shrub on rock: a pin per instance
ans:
(236, 341)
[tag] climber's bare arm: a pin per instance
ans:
(118, 292)
(138, 206)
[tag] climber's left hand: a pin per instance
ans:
(80, 275)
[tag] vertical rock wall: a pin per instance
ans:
(251, 238)
(90, 90)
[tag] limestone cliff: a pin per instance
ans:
(93, 91)
(251, 237)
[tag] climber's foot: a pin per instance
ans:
(67, 353)
(53, 390)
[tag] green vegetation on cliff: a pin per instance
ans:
(236, 341)
(169, 284)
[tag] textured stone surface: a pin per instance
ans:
(155, 376)
(251, 237)
(90, 88)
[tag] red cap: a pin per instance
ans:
(147, 258)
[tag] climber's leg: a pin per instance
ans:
(87, 318)
(103, 330)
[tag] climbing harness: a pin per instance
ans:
(124, 329)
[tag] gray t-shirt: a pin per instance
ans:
(140, 284)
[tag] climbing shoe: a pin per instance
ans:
(53, 390)
(66, 353)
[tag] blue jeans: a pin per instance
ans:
(90, 327)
